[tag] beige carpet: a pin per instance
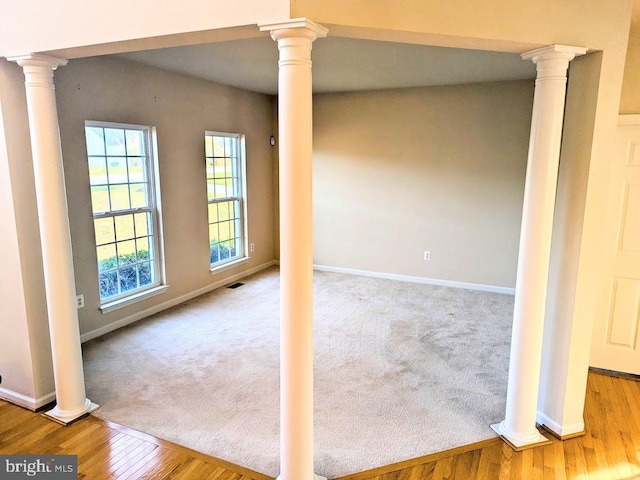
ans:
(401, 370)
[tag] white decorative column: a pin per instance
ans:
(55, 237)
(294, 39)
(519, 426)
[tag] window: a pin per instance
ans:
(124, 206)
(225, 193)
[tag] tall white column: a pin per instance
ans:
(294, 39)
(55, 237)
(519, 425)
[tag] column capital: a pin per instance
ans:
(552, 61)
(554, 52)
(294, 27)
(38, 60)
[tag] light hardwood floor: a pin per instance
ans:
(609, 451)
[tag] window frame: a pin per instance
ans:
(241, 197)
(153, 208)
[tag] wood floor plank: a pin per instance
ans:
(609, 450)
(144, 464)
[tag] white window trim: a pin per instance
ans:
(228, 265)
(242, 159)
(136, 297)
(115, 302)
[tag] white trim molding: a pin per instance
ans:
(131, 299)
(559, 430)
(85, 337)
(423, 280)
(26, 401)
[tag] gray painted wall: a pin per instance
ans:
(398, 172)
(182, 109)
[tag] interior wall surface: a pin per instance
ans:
(438, 169)
(630, 100)
(566, 342)
(486, 25)
(25, 352)
(275, 158)
(181, 109)
(65, 23)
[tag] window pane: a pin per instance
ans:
(95, 141)
(237, 228)
(108, 283)
(126, 252)
(218, 146)
(213, 233)
(229, 184)
(225, 252)
(208, 146)
(228, 141)
(224, 231)
(139, 196)
(221, 190)
(136, 169)
(211, 189)
(218, 166)
(97, 171)
(100, 199)
(104, 230)
(114, 139)
(223, 210)
(232, 248)
(124, 227)
(209, 168)
(135, 142)
(128, 278)
(119, 195)
(145, 272)
(117, 169)
(106, 257)
(214, 252)
(143, 249)
(213, 212)
(142, 222)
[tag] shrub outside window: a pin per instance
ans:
(224, 155)
(124, 207)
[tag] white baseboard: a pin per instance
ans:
(555, 427)
(423, 280)
(85, 337)
(26, 401)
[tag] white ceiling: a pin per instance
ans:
(339, 64)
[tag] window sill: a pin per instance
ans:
(229, 265)
(136, 297)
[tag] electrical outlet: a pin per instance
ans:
(80, 301)
(427, 255)
(252, 247)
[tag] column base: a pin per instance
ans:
(315, 477)
(65, 418)
(518, 444)
(568, 436)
